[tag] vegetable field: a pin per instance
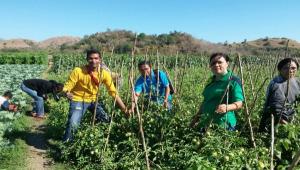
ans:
(11, 77)
(170, 142)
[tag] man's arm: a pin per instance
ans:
(71, 82)
(5, 105)
(167, 92)
(134, 100)
(9, 107)
(237, 96)
(138, 89)
(121, 104)
(223, 108)
(107, 80)
(166, 84)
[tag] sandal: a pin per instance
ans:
(33, 114)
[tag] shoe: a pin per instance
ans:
(33, 114)
(40, 117)
(103, 119)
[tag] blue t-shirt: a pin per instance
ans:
(4, 105)
(144, 86)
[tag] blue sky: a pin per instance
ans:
(212, 20)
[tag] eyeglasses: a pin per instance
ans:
(215, 62)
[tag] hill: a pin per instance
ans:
(123, 41)
(17, 43)
(274, 42)
(55, 42)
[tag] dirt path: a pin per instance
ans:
(37, 147)
(36, 140)
(49, 67)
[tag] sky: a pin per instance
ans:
(211, 20)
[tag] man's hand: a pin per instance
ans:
(69, 95)
(222, 108)
(165, 104)
(131, 110)
(12, 108)
(282, 121)
(127, 112)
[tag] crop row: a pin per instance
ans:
(23, 58)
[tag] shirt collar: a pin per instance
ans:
(224, 77)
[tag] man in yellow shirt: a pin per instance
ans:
(82, 87)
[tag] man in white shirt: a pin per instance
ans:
(4, 102)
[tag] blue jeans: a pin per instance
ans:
(76, 111)
(38, 107)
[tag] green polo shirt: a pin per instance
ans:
(213, 93)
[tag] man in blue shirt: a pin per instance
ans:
(154, 84)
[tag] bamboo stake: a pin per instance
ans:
(286, 48)
(288, 84)
(143, 98)
(111, 55)
(157, 78)
(111, 120)
(182, 77)
(295, 161)
(254, 101)
(251, 82)
(97, 95)
(272, 142)
(131, 66)
(245, 101)
(176, 70)
(150, 86)
(140, 127)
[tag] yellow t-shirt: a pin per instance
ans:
(83, 88)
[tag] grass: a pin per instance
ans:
(14, 156)
(60, 166)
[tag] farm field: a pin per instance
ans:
(11, 78)
(170, 142)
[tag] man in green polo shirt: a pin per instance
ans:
(222, 96)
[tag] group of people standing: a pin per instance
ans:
(223, 95)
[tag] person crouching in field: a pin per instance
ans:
(4, 102)
(222, 86)
(39, 89)
(82, 87)
(282, 94)
(154, 83)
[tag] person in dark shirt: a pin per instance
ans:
(282, 95)
(38, 90)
